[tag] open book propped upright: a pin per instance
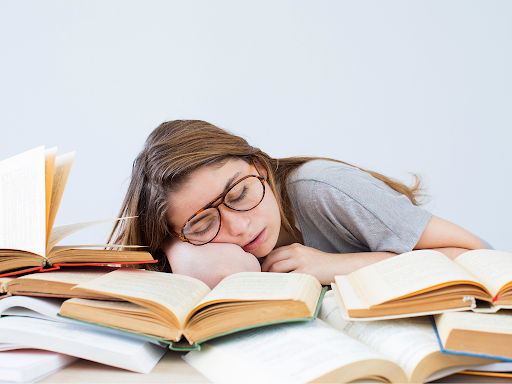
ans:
(31, 187)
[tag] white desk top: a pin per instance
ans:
(173, 369)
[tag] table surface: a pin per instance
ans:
(173, 369)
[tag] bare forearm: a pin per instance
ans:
(324, 266)
(350, 262)
(209, 263)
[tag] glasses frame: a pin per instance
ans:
(213, 204)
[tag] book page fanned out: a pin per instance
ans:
(23, 203)
(62, 231)
(60, 177)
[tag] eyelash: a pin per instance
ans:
(242, 195)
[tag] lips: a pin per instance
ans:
(255, 243)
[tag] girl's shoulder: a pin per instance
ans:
(331, 173)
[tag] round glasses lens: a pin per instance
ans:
(245, 195)
(202, 227)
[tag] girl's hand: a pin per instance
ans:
(301, 259)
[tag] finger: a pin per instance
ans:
(273, 257)
(283, 266)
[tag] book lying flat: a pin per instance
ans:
(171, 307)
(31, 365)
(411, 343)
(426, 282)
(48, 308)
(54, 283)
(31, 186)
(296, 353)
(81, 341)
(476, 334)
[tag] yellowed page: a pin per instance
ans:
(406, 342)
(22, 202)
(50, 155)
(69, 275)
(405, 274)
(59, 248)
(61, 231)
(255, 286)
(60, 177)
(178, 293)
(492, 268)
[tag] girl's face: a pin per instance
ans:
(256, 231)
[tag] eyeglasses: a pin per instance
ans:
(204, 225)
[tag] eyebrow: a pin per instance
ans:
(228, 184)
(231, 180)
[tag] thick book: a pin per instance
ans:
(338, 352)
(475, 334)
(183, 312)
(81, 341)
(31, 188)
(54, 283)
(427, 282)
(29, 365)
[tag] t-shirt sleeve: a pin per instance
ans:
(353, 208)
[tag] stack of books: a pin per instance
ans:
(415, 317)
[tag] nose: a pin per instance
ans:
(234, 223)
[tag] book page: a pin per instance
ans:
(404, 274)
(492, 268)
(178, 293)
(406, 341)
(60, 177)
(41, 307)
(22, 202)
(255, 286)
(61, 231)
(284, 353)
(71, 275)
(50, 156)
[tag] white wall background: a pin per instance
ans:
(394, 86)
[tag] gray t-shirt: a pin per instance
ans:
(341, 209)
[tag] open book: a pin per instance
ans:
(426, 282)
(480, 334)
(318, 352)
(31, 188)
(168, 306)
(54, 283)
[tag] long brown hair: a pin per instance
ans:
(177, 148)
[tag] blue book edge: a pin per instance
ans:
(453, 352)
